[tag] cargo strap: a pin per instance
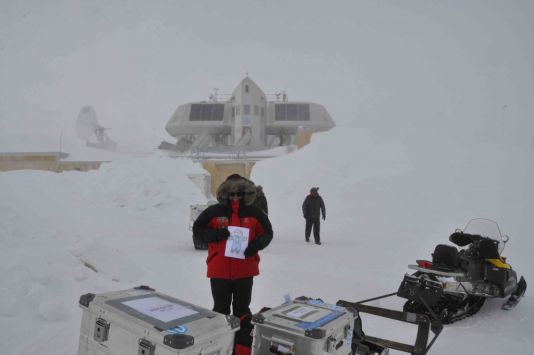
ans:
(321, 321)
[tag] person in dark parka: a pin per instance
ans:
(261, 200)
(312, 209)
(231, 279)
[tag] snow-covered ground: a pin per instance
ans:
(433, 105)
(63, 235)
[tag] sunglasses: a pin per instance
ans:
(238, 194)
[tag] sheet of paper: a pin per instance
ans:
(159, 308)
(300, 312)
(237, 242)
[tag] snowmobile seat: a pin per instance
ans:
(445, 256)
(462, 239)
(489, 248)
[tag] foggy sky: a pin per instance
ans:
(459, 68)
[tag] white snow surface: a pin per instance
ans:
(63, 235)
(433, 105)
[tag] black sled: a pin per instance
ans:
(364, 344)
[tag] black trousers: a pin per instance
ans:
(314, 223)
(238, 293)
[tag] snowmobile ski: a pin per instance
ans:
(516, 296)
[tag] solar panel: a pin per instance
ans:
(206, 112)
(292, 112)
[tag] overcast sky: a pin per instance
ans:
(462, 68)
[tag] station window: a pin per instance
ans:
(292, 112)
(206, 112)
(246, 109)
(256, 110)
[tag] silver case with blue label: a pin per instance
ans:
(303, 327)
(112, 326)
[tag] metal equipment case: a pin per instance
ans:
(141, 321)
(303, 326)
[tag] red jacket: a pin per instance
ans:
(221, 216)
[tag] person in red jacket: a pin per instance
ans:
(231, 278)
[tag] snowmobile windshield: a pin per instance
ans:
(485, 228)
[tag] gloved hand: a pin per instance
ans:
(222, 234)
(251, 249)
(324, 217)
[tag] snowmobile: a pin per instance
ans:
(457, 282)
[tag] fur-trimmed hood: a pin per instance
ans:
(236, 182)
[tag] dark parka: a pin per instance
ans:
(313, 206)
(214, 218)
(261, 201)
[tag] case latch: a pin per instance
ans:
(146, 347)
(101, 330)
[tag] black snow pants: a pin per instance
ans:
(316, 224)
(238, 293)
